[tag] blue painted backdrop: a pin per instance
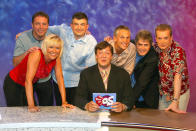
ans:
(104, 16)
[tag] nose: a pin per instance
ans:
(41, 25)
(104, 55)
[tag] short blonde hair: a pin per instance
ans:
(52, 39)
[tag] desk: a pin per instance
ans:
(153, 119)
(54, 118)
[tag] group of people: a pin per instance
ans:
(66, 62)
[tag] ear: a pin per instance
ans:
(114, 38)
(96, 57)
(87, 26)
(71, 25)
(171, 38)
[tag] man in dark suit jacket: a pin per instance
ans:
(146, 72)
(92, 81)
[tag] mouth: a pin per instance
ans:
(124, 44)
(53, 54)
(41, 31)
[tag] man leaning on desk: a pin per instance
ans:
(93, 80)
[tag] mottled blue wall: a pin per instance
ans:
(104, 16)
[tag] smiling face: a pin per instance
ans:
(122, 40)
(143, 47)
(79, 27)
(52, 47)
(40, 27)
(163, 39)
(53, 51)
(104, 57)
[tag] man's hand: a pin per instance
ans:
(32, 49)
(118, 107)
(33, 109)
(174, 107)
(17, 35)
(108, 39)
(91, 106)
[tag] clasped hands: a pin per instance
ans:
(117, 107)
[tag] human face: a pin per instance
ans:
(40, 27)
(104, 57)
(53, 51)
(143, 47)
(122, 40)
(163, 39)
(79, 27)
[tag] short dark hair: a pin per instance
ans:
(120, 27)
(80, 15)
(102, 45)
(144, 35)
(40, 13)
(163, 27)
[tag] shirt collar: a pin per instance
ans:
(107, 70)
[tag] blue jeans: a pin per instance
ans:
(183, 101)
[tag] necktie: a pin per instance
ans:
(105, 78)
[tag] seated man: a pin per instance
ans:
(116, 80)
(145, 77)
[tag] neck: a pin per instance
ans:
(47, 60)
(38, 37)
(104, 67)
(118, 50)
(77, 37)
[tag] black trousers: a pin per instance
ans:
(14, 93)
(16, 96)
(70, 94)
(44, 93)
(142, 104)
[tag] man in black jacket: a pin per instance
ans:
(95, 80)
(145, 76)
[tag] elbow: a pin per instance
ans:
(28, 83)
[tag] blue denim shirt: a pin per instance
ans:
(77, 54)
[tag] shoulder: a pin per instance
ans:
(37, 54)
(119, 71)
(152, 56)
(90, 39)
(153, 53)
(25, 35)
(176, 47)
(89, 70)
(131, 46)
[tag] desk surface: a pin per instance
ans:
(54, 116)
(154, 118)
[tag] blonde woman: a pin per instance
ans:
(18, 84)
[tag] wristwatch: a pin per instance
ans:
(175, 99)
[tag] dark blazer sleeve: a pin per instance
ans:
(128, 95)
(144, 72)
(81, 96)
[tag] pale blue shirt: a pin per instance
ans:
(77, 54)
